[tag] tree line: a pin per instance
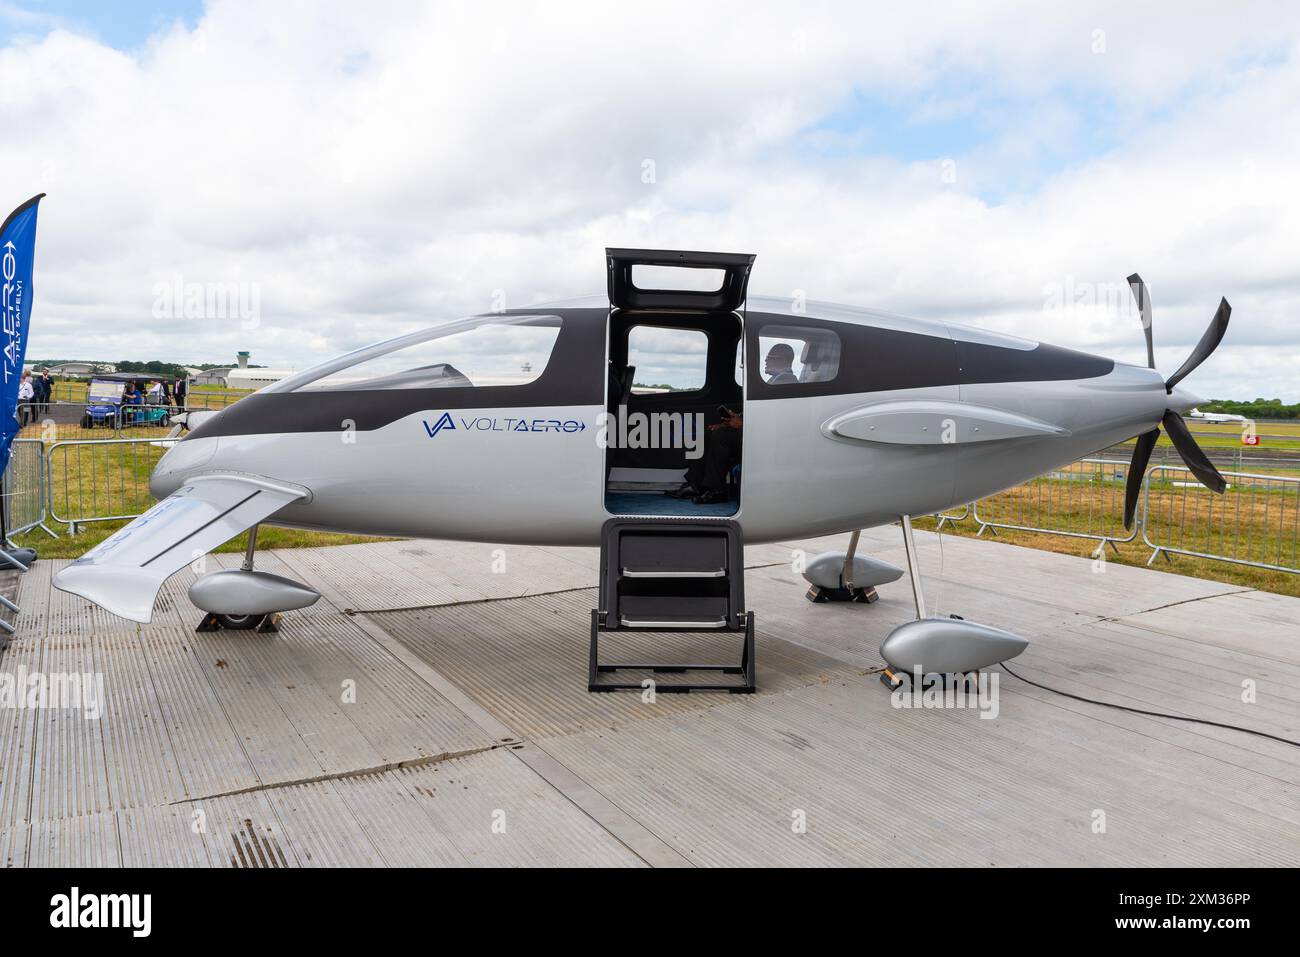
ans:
(1255, 409)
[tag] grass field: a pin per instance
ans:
(88, 536)
(1258, 524)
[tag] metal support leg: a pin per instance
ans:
(252, 547)
(846, 576)
(10, 560)
(913, 566)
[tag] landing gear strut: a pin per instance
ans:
(247, 600)
(934, 645)
(848, 590)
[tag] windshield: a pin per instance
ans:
(478, 351)
(101, 391)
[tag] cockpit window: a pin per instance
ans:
(480, 352)
(793, 355)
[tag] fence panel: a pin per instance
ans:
(102, 480)
(1084, 499)
(1255, 522)
(24, 487)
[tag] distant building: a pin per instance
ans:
(81, 368)
(211, 377)
(256, 377)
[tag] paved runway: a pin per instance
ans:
(432, 709)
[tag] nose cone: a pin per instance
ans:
(180, 462)
(1183, 401)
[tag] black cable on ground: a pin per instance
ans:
(1151, 714)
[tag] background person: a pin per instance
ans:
(45, 388)
(26, 398)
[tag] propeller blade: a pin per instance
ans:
(1136, 471)
(1139, 290)
(1210, 340)
(1196, 459)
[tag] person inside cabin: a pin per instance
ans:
(706, 477)
(779, 365)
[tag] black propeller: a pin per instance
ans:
(1196, 460)
(1136, 471)
(1210, 340)
(1139, 290)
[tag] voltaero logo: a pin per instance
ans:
(505, 423)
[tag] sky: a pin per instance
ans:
(301, 178)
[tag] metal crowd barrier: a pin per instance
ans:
(1255, 522)
(73, 392)
(101, 480)
(1084, 499)
(951, 518)
(24, 488)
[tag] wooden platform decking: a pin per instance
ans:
(432, 709)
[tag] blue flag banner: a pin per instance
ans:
(17, 250)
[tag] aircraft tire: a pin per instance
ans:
(240, 622)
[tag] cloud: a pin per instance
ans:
(369, 171)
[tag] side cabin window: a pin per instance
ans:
(791, 356)
(667, 359)
(491, 352)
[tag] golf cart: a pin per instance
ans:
(115, 400)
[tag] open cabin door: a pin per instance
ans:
(675, 322)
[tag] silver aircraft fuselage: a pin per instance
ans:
(922, 416)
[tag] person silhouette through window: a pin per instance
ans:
(778, 365)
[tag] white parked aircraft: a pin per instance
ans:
(1215, 418)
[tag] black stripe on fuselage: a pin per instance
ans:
(574, 375)
(873, 360)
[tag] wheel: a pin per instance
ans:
(165, 421)
(240, 622)
(87, 422)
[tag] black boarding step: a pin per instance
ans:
(744, 669)
(672, 575)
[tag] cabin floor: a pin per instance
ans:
(662, 504)
(432, 709)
